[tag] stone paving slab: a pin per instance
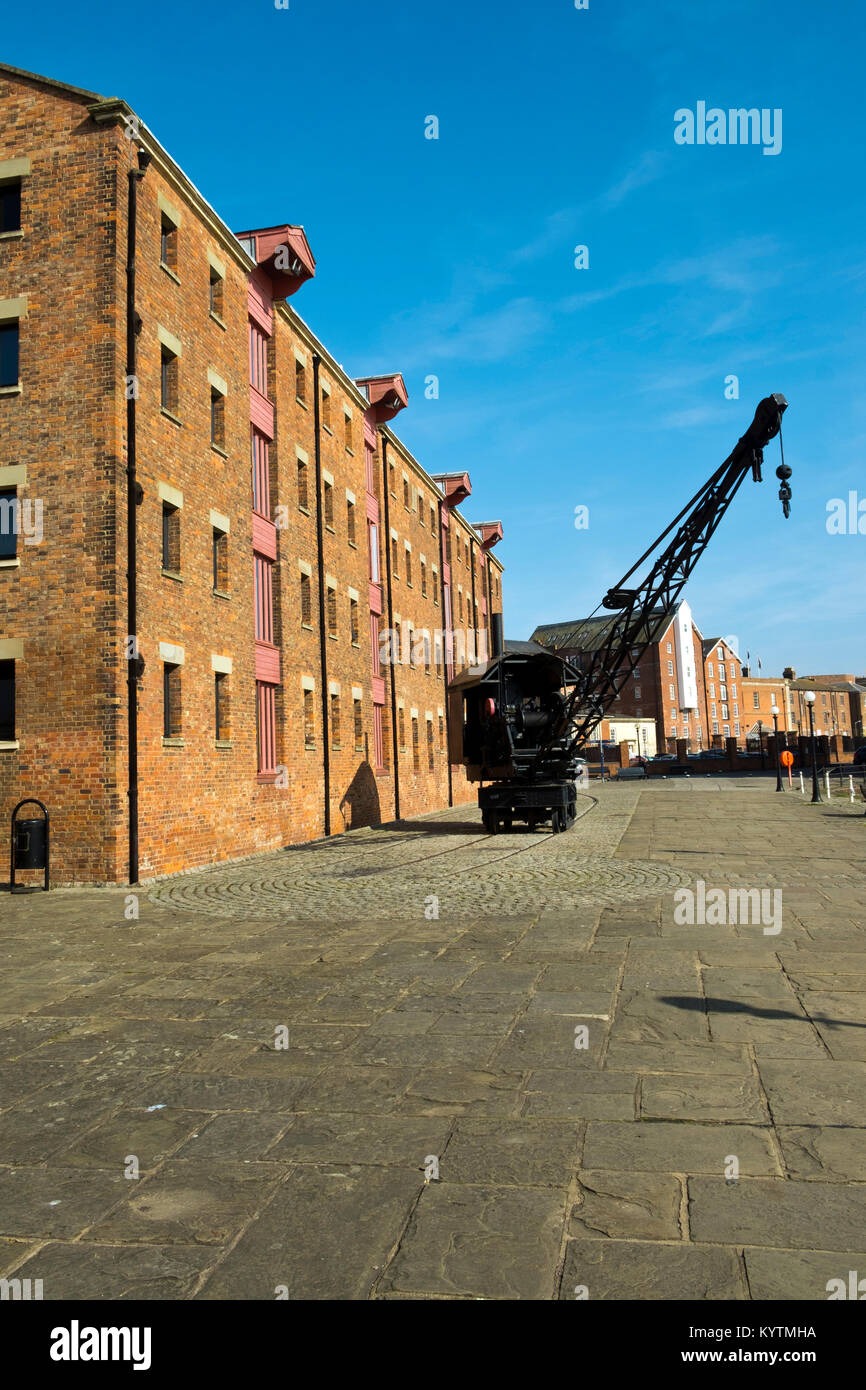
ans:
(540, 1090)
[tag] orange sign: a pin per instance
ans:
(787, 758)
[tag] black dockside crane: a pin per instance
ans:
(527, 715)
(642, 609)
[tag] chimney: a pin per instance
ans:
(789, 674)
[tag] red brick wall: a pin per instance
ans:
(199, 802)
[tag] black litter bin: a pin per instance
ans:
(29, 841)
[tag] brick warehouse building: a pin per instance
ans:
(282, 533)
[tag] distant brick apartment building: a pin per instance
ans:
(281, 533)
(686, 687)
(663, 696)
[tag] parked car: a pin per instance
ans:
(712, 753)
(859, 756)
(664, 758)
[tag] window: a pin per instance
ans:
(416, 749)
(354, 624)
(264, 599)
(737, 729)
(727, 731)
(427, 651)
(435, 585)
(266, 728)
(432, 519)
(670, 668)
(430, 751)
(171, 724)
(401, 728)
(306, 600)
(8, 523)
(373, 547)
(736, 710)
(378, 737)
(394, 557)
(168, 243)
(733, 692)
(332, 612)
(421, 508)
(261, 471)
(222, 729)
(637, 694)
(303, 488)
(725, 714)
(423, 579)
(168, 380)
(375, 654)
(309, 719)
(672, 691)
(358, 714)
(326, 409)
(10, 206)
(300, 382)
(733, 670)
(220, 561)
(441, 734)
(215, 293)
(350, 520)
(391, 477)
(258, 359)
(710, 671)
(408, 566)
(714, 709)
(335, 720)
(7, 701)
(669, 647)
(406, 494)
(712, 691)
(721, 653)
(329, 505)
(715, 726)
(170, 538)
(347, 426)
(217, 418)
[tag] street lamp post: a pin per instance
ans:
(775, 713)
(810, 701)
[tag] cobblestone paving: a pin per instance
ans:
(387, 872)
(552, 1086)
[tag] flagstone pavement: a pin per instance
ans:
(420, 1062)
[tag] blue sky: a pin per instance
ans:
(559, 387)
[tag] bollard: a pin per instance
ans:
(827, 783)
(851, 790)
(802, 788)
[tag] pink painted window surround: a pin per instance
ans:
(368, 465)
(258, 358)
(264, 599)
(261, 468)
(378, 741)
(266, 727)
(375, 661)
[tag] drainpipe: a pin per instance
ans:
(323, 636)
(392, 681)
(446, 633)
(133, 501)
